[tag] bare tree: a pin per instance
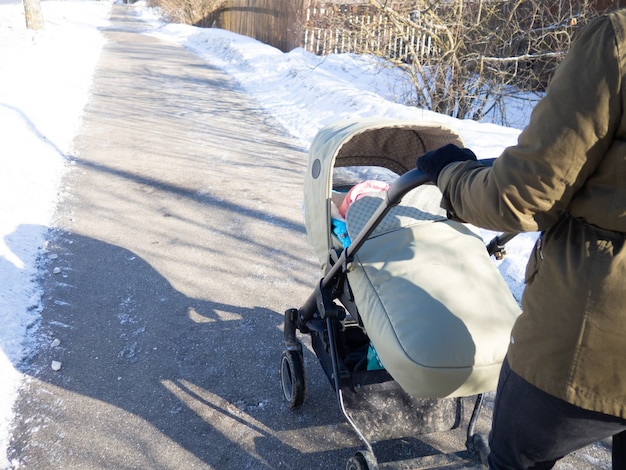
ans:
(462, 57)
(34, 17)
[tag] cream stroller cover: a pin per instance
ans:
(430, 298)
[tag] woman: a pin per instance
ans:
(563, 383)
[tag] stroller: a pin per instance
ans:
(410, 315)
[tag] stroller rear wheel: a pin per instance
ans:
(292, 379)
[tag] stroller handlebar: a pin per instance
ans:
(412, 179)
(405, 183)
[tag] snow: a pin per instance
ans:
(45, 79)
(44, 85)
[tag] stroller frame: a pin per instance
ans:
(330, 324)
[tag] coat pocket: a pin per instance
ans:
(534, 261)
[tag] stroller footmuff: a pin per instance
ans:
(410, 314)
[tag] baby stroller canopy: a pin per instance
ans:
(388, 143)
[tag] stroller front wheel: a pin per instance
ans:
(292, 379)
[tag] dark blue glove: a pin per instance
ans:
(431, 163)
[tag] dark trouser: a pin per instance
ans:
(532, 429)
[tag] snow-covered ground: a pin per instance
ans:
(44, 84)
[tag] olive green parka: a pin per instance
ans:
(566, 177)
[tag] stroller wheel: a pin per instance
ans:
(360, 461)
(292, 378)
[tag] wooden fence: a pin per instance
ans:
(344, 29)
(318, 28)
(274, 22)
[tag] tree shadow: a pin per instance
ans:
(151, 377)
